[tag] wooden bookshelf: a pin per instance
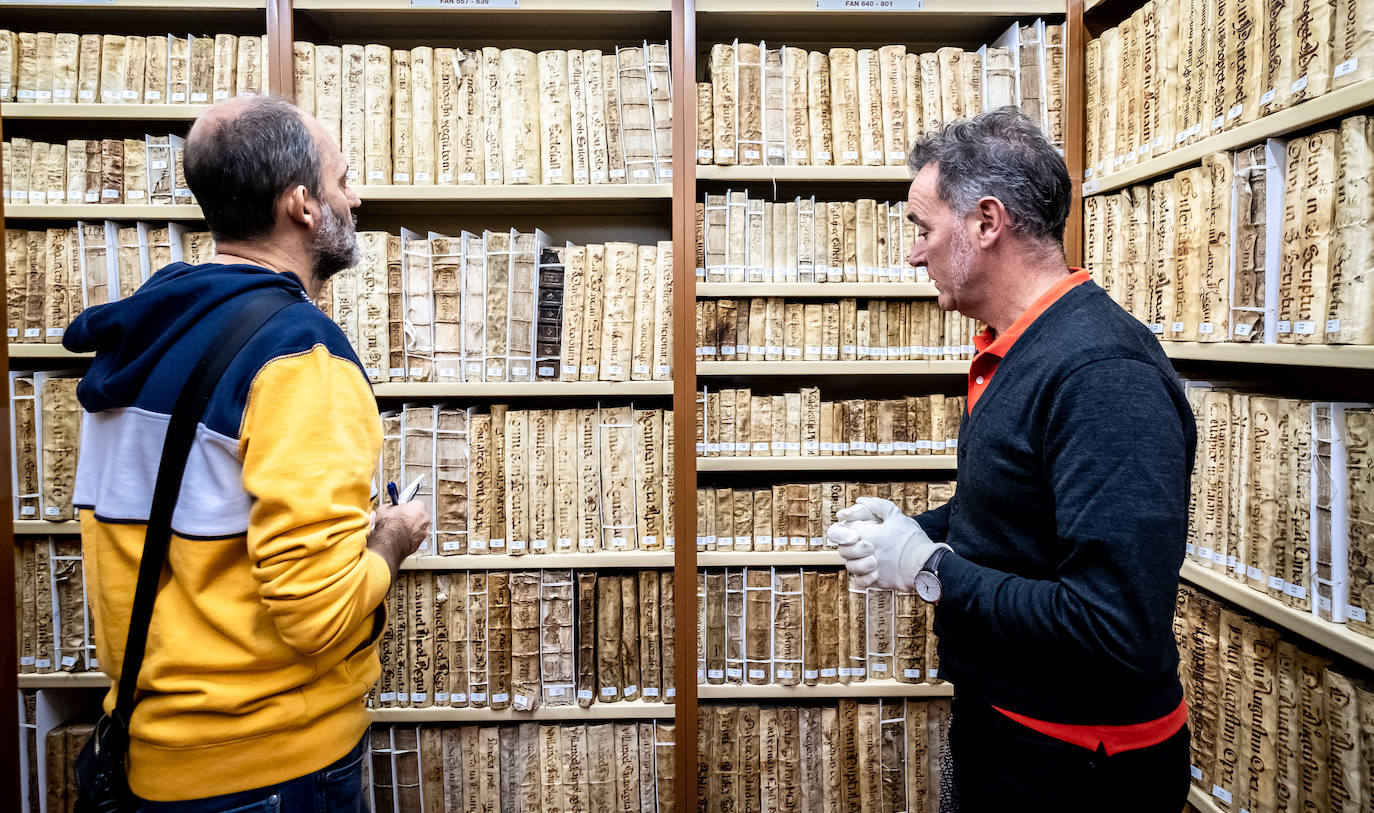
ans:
(744, 693)
(775, 558)
(910, 462)
(809, 174)
(598, 560)
(521, 389)
(514, 192)
(103, 112)
(1335, 637)
(798, 290)
(46, 352)
(597, 711)
(38, 527)
(1299, 355)
(1314, 111)
(65, 680)
(708, 369)
(96, 211)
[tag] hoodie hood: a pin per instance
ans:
(160, 332)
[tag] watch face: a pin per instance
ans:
(928, 586)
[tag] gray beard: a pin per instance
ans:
(336, 245)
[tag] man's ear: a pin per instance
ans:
(300, 205)
(992, 221)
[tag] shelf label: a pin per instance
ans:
(465, 3)
(869, 5)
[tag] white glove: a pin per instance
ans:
(881, 546)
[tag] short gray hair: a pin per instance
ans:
(1000, 154)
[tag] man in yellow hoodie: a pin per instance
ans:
(261, 644)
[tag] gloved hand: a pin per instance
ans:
(881, 546)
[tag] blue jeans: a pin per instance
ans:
(337, 788)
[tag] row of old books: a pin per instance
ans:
(1271, 243)
(795, 516)
(611, 767)
(734, 422)
(468, 116)
(765, 106)
(743, 239)
(1180, 70)
(808, 626)
(527, 639)
(52, 275)
(144, 170)
(1281, 500)
(885, 756)
(1274, 727)
(534, 481)
(55, 632)
(45, 426)
(115, 69)
(60, 748)
(505, 306)
(774, 329)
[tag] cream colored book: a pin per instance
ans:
(374, 347)
(555, 127)
(618, 325)
(328, 85)
(66, 50)
(225, 66)
(912, 112)
(819, 108)
(643, 336)
(845, 107)
(490, 78)
(724, 93)
(615, 135)
(774, 108)
(1032, 82)
(303, 75)
(893, 83)
(971, 68)
(1109, 107)
(594, 313)
(447, 120)
(353, 112)
(520, 116)
(114, 66)
(1214, 292)
(470, 159)
(598, 157)
(497, 246)
(60, 442)
(796, 118)
(1165, 38)
(662, 357)
(1189, 248)
(661, 102)
(705, 151)
(248, 75)
(402, 118)
(872, 135)
(579, 128)
(648, 477)
(749, 109)
(136, 55)
(1352, 43)
(951, 84)
(1313, 25)
(1350, 314)
(1311, 278)
(1056, 77)
(202, 70)
(377, 122)
(9, 65)
(424, 139)
(88, 67)
(999, 81)
(616, 444)
(27, 69)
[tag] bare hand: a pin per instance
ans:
(398, 531)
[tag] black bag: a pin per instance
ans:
(101, 774)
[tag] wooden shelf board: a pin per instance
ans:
(521, 389)
(39, 527)
(65, 680)
(104, 112)
(941, 462)
(596, 711)
(814, 174)
(1335, 637)
(1305, 355)
(808, 368)
(859, 290)
(548, 561)
(776, 558)
(545, 6)
(95, 211)
(1203, 801)
(964, 8)
(509, 192)
(868, 688)
(1314, 111)
(45, 351)
(153, 5)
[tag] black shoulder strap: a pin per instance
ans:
(181, 432)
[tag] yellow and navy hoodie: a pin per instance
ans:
(261, 643)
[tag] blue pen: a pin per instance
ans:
(393, 493)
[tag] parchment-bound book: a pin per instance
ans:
(818, 107)
(1350, 313)
(377, 121)
(579, 132)
(554, 117)
(136, 57)
(9, 65)
(749, 73)
(774, 108)
(402, 117)
(423, 139)
(660, 97)
(616, 154)
(65, 55)
(845, 107)
(598, 156)
(636, 115)
(303, 75)
(248, 73)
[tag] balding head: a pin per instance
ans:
(242, 155)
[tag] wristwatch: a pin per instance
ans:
(928, 585)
